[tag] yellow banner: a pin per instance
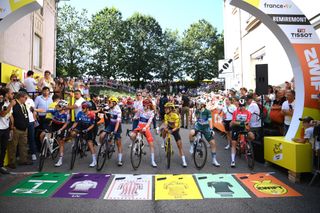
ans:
(176, 187)
(7, 70)
(16, 4)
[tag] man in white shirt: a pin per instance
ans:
(287, 109)
(78, 101)
(30, 83)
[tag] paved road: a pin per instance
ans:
(309, 202)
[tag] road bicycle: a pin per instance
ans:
(199, 150)
(107, 148)
(49, 147)
(245, 147)
(79, 147)
(168, 149)
(137, 151)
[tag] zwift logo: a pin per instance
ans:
(279, 6)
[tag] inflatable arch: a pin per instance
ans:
(12, 10)
(302, 46)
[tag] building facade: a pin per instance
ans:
(249, 42)
(29, 44)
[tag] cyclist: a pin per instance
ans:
(59, 124)
(85, 122)
(204, 124)
(240, 122)
(145, 119)
(113, 124)
(171, 125)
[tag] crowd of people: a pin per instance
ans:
(69, 107)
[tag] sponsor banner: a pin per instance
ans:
(130, 187)
(309, 55)
(220, 186)
(300, 34)
(265, 185)
(290, 19)
(7, 70)
(83, 185)
(217, 117)
(275, 6)
(176, 187)
(38, 185)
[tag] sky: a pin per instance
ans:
(171, 14)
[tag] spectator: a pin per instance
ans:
(42, 102)
(30, 83)
(255, 121)
(137, 107)
(78, 101)
(46, 81)
(308, 130)
(15, 84)
(185, 110)
(31, 127)
(5, 116)
(59, 87)
(243, 91)
(287, 109)
(20, 132)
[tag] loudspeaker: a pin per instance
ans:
(262, 79)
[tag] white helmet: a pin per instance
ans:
(62, 103)
(201, 101)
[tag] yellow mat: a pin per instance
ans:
(176, 187)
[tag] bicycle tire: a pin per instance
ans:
(136, 151)
(249, 155)
(168, 152)
(74, 152)
(55, 149)
(102, 156)
(200, 151)
(109, 150)
(43, 153)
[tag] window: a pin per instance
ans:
(37, 51)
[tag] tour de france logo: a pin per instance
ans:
(277, 151)
(267, 187)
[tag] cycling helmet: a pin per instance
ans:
(146, 102)
(113, 99)
(242, 102)
(169, 104)
(62, 103)
(201, 101)
(86, 104)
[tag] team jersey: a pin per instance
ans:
(52, 106)
(115, 115)
(57, 117)
(172, 120)
(241, 116)
(145, 116)
(85, 121)
(203, 117)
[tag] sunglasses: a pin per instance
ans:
(138, 94)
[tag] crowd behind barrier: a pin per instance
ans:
(272, 116)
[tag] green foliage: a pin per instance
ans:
(136, 49)
(72, 51)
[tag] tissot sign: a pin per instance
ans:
(12, 10)
(302, 46)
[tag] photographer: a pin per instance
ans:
(15, 84)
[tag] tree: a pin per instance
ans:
(171, 57)
(203, 48)
(143, 40)
(106, 36)
(71, 41)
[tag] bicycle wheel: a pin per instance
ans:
(110, 147)
(55, 149)
(135, 154)
(74, 152)
(43, 154)
(238, 149)
(249, 154)
(102, 156)
(168, 152)
(200, 154)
